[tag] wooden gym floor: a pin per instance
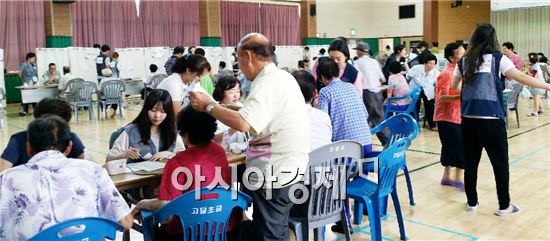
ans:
(438, 213)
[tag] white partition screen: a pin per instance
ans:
(83, 62)
(131, 63)
(157, 56)
(45, 56)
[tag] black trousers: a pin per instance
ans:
(374, 102)
(491, 135)
(452, 153)
(270, 217)
(428, 109)
(26, 107)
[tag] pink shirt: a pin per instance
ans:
(516, 60)
(358, 81)
(399, 87)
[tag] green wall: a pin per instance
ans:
(396, 41)
(318, 41)
(59, 41)
(373, 43)
(211, 42)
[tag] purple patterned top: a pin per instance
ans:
(51, 188)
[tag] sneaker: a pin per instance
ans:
(22, 113)
(540, 112)
(470, 208)
(534, 114)
(512, 209)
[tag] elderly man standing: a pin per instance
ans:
(275, 114)
(372, 81)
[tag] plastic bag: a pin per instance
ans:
(525, 94)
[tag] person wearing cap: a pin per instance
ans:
(373, 78)
(178, 53)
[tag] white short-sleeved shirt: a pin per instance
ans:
(174, 85)
(372, 73)
(178, 90)
(417, 75)
(504, 65)
(539, 75)
(63, 81)
(280, 137)
(321, 128)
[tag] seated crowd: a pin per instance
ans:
(190, 119)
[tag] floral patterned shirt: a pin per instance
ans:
(51, 188)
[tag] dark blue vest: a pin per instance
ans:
(483, 97)
(350, 74)
(100, 63)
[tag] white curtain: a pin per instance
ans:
(527, 28)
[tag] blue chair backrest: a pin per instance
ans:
(415, 95)
(200, 218)
(389, 163)
(326, 163)
(400, 126)
(91, 228)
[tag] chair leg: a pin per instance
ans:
(90, 111)
(301, 232)
(517, 115)
(357, 211)
(76, 114)
(374, 219)
(104, 112)
(395, 199)
(121, 109)
(409, 184)
(347, 231)
(148, 229)
(318, 234)
(126, 235)
(383, 206)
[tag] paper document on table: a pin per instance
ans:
(146, 166)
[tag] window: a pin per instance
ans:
(406, 11)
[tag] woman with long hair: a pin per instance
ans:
(152, 134)
(186, 74)
(339, 52)
(483, 113)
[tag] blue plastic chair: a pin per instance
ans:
(367, 193)
(326, 205)
(197, 216)
(91, 228)
(414, 95)
(400, 126)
